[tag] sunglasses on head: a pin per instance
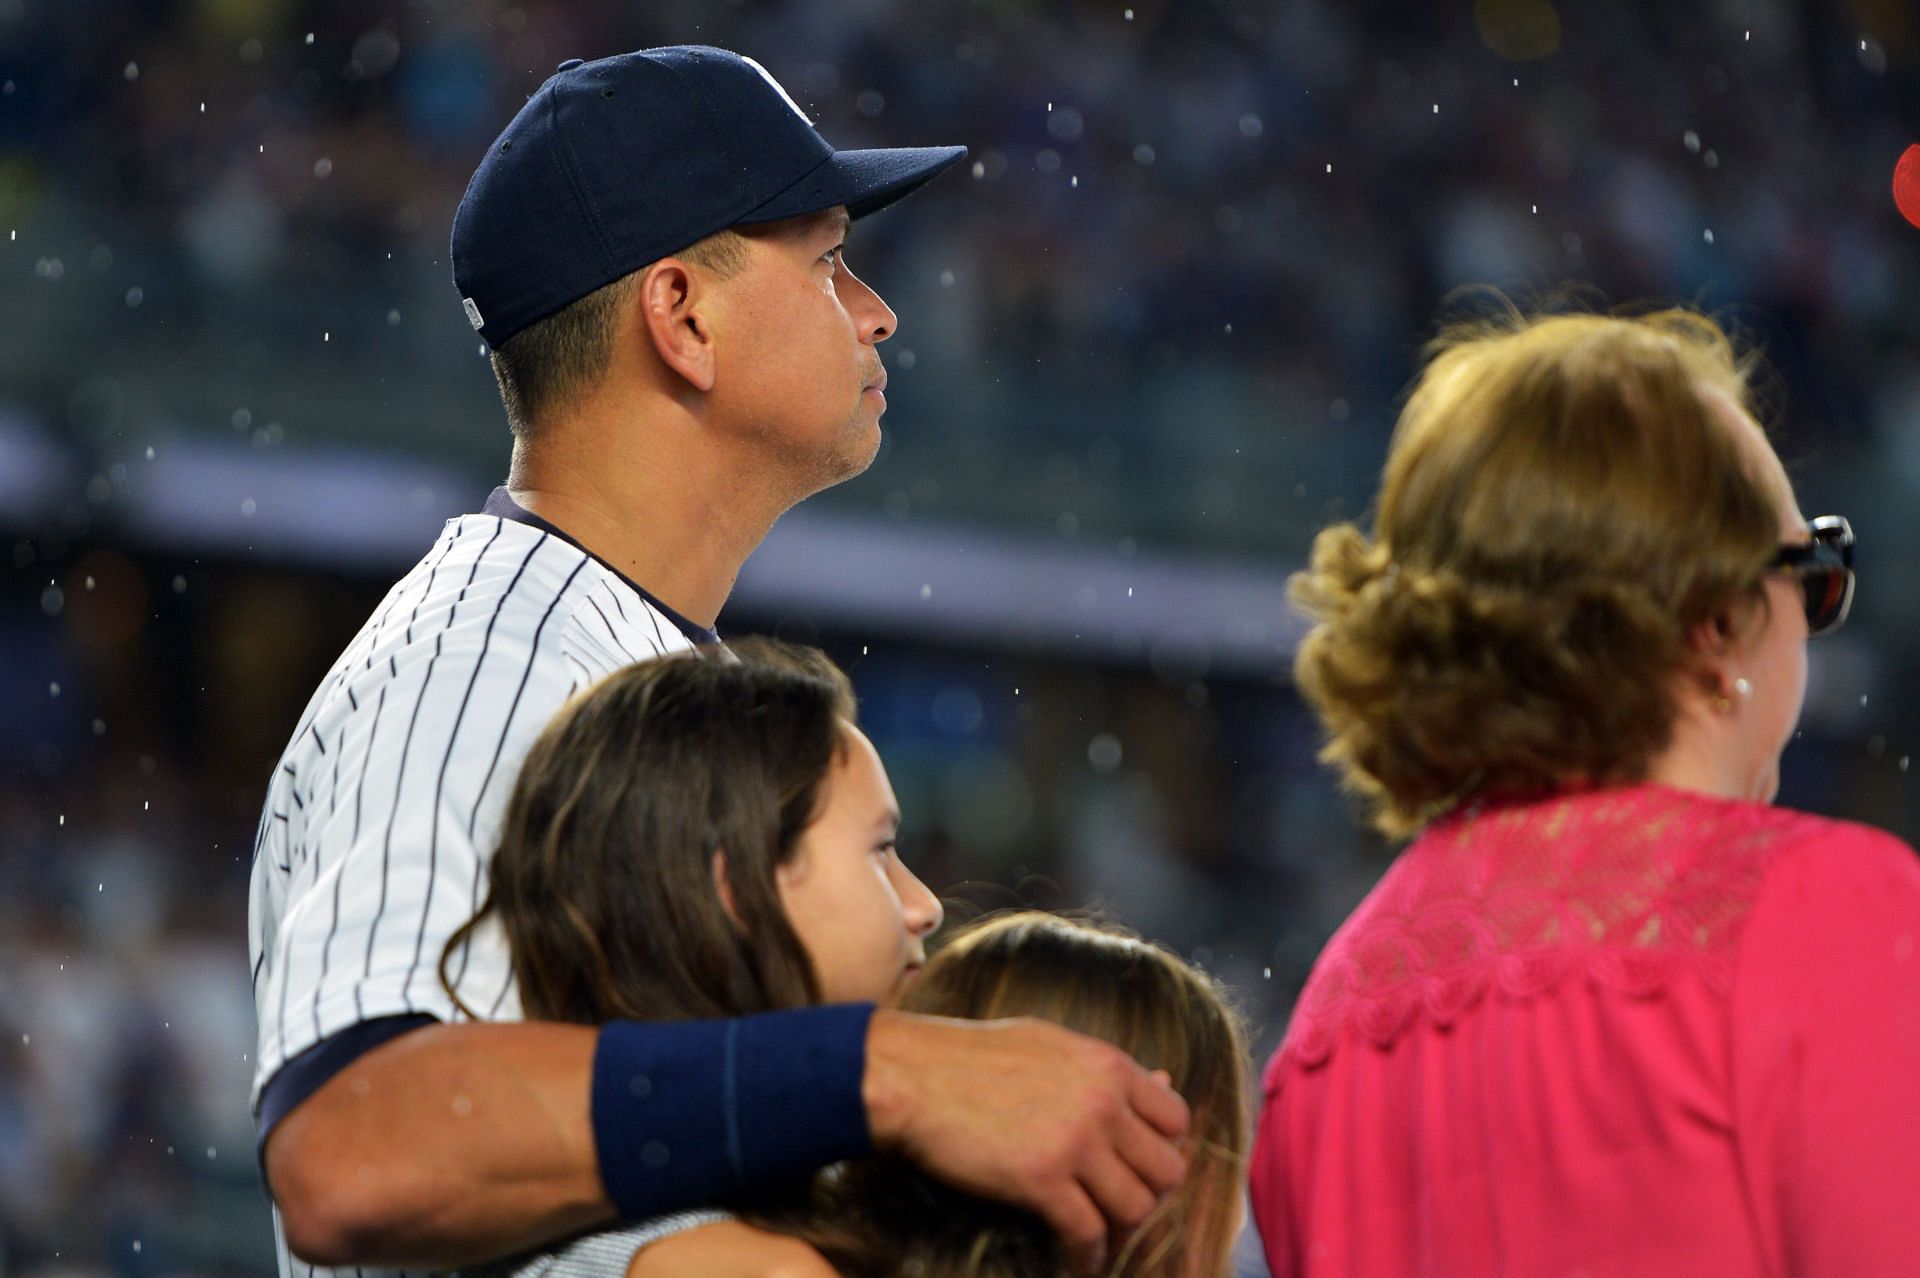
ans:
(1824, 569)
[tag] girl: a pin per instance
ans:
(709, 837)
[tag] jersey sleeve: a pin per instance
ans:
(1826, 1054)
(379, 831)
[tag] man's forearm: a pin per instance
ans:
(449, 1145)
(453, 1144)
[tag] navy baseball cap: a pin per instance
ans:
(616, 163)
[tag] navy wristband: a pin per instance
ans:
(693, 1113)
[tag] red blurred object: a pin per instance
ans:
(1906, 184)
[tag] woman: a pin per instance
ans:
(708, 837)
(1609, 1013)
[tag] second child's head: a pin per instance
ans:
(706, 836)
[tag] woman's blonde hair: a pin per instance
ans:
(1560, 506)
(881, 1216)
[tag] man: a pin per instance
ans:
(652, 249)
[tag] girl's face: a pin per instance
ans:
(861, 914)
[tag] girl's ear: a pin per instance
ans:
(723, 889)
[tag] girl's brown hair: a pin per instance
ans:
(604, 878)
(880, 1216)
(1560, 506)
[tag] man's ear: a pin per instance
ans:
(724, 889)
(674, 300)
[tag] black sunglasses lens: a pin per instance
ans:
(1826, 596)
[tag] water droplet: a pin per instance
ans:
(1074, 180)
(89, 583)
(1691, 141)
(979, 169)
(309, 37)
(53, 690)
(1250, 126)
(926, 590)
(322, 167)
(1329, 168)
(135, 296)
(211, 1151)
(1436, 108)
(132, 71)
(326, 337)
(179, 585)
(52, 600)
(946, 279)
(1104, 753)
(1128, 15)
(247, 506)
(149, 452)
(1707, 235)
(393, 319)
(99, 727)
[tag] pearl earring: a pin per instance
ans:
(1742, 687)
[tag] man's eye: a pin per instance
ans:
(832, 256)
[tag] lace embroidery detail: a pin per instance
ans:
(1627, 886)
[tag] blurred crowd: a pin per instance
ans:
(1169, 301)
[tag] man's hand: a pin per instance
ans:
(729, 1250)
(1024, 1111)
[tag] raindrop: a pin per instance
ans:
(89, 583)
(247, 506)
(1708, 235)
(1128, 15)
(133, 68)
(1329, 168)
(203, 108)
(906, 359)
(979, 169)
(1047, 161)
(309, 37)
(1691, 141)
(136, 1246)
(149, 452)
(326, 337)
(1436, 108)
(393, 319)
(52, 601)
(1711, 159)
(1250, 126)
(242, 418)
(49, 268)
(179, 585)
(322, 167)
(135, 296)
(1104, 752)
(53, 689)
(1074, 180)
(99, 727)
(926, 590)
(1903, 762)
(211, 1151)
(946, 279)
(1143, 155)
(1266, 973)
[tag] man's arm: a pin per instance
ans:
(459, 1143)
(449, 1145)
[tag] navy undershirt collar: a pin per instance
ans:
(501, 505)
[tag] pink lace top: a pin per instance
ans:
(1620, 1032)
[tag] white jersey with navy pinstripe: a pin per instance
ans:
(385, 808)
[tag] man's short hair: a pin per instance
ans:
(551, 363)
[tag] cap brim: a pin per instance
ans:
(862, 180)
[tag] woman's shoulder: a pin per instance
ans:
(1627, 886)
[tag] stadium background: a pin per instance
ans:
(1152, 337)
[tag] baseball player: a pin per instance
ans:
(653, 251)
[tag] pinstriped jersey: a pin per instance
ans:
(384, 810)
